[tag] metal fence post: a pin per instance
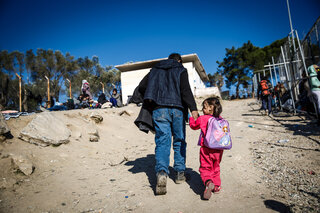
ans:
(289, 84)
(275, 72)
(271, 75)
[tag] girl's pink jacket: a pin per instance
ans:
(200, 123)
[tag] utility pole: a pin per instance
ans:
(292, 33)
(102, 87)
(69, 88)
(48, 92)
(20, 106)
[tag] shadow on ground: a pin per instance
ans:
(303, 126)
(277, 206)
(311, 194)
(146, 165)
(193, 179)
(195, 182)
(300, 127)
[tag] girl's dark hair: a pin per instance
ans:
(215, 102)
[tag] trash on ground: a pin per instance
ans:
(283, 141)
(312, 172)
(251, 126)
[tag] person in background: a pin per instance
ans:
(115, 99)
(277, 94)
(102, 99)
(315, 87)
(305, 95)
(85, 102)
(85, 88)
(264, 92)
(46, 103)
(318, 71)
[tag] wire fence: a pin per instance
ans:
(292, 62)
(311, 45)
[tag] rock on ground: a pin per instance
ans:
(22, 163)
(96, 117)
(3, 125)
(93, 133)
(44, 130)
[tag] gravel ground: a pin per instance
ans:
(289, 160)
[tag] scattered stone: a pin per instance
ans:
(77, 135)
(23, 164)
(75, 202)
(2, 138)
(112, 163)
(63, 155)
(96, 117)
(94, 138)
(45, 130)
(127, 112)
(92, 130)
(93, 133)
(5, 156)
(6, 183)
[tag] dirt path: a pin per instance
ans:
(116, 174)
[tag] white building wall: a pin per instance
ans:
(189, 66)
(207, 92)
(131, 79)
(194, 78)
(199, 84)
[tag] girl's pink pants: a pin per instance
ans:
(210, 165)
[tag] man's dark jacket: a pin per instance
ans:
(166, 85)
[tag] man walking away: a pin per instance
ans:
(168, 91)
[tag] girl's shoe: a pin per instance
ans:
(216, 189)
(208, 191)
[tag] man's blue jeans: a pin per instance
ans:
(168, 123)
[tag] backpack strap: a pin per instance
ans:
(212, 119)
(209, 121)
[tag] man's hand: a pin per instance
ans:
(195, 114)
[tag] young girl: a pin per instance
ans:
(209, 158)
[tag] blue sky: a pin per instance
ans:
(122, 31)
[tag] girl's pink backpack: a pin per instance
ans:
(218, 134)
